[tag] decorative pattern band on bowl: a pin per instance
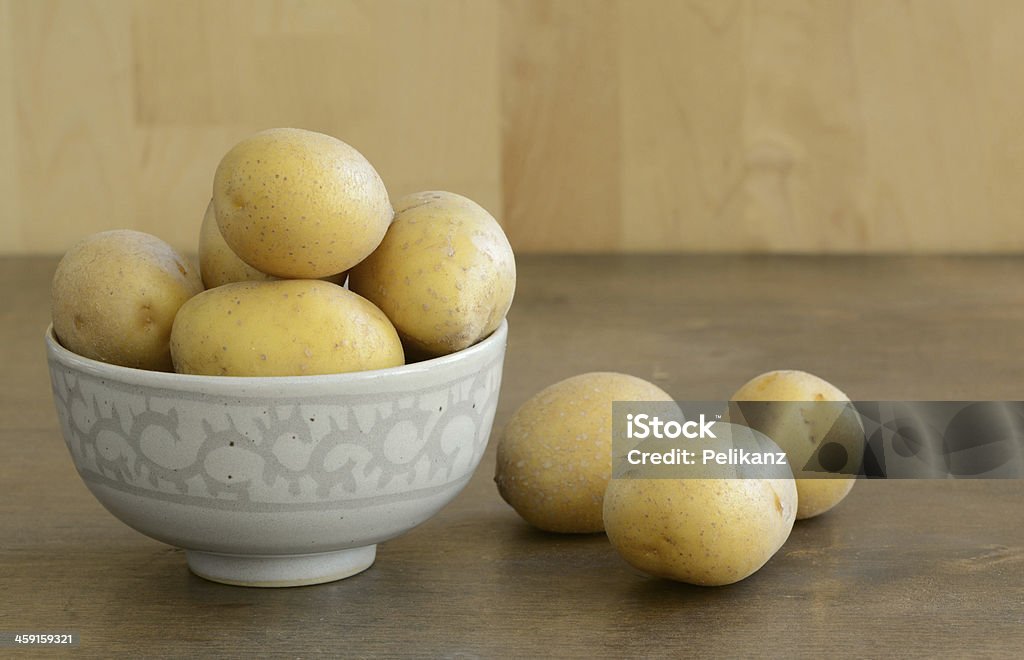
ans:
(290, 454)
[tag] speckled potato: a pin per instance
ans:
(282, 328)
(219, 265)
(555, 456)
(114, 297)
(299, 204)
(800, 432)
(708, 532)
(444, 273)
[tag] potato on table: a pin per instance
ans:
(114, 297)
(555, 456)
(800, 431)
(708, 532)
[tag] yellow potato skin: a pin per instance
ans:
(114, 296)
(816, 496)
(555, 456)
(219, 265)
(299, 204)
(708, 532)
(444, 273)
(282, 328)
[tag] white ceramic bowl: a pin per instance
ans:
(278, 481)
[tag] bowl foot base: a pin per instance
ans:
(280, 570)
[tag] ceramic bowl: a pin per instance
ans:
(278, 481)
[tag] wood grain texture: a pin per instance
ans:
(908, 569)
(561, 143)
(822, 126)
(10, 205)
(839, 126)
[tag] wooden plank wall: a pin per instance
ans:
(584, 125)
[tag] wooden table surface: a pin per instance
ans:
(900, 568)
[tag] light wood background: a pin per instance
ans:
(583, 125)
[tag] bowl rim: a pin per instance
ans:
(230, 384)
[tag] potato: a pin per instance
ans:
(800, 431)
(708, 532)
(114, 296)
(555, 456)
(283, 328)
(299, 204)
(219, 265)
(444, 274)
